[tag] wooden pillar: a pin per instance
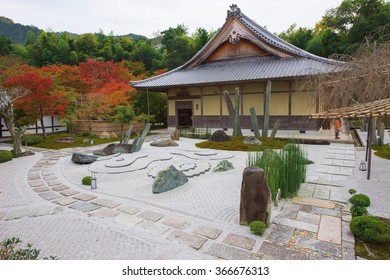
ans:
(220, 108)
(371, 132)
(201, 107)
(289, 102)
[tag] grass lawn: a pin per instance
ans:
(382, 151)
(50, 142)
(236, 144)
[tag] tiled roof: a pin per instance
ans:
(244, 69)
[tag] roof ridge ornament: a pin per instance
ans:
(234, 11)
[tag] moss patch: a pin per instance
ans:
(382, 151)
(377, 251)
(50, 142)
(236, 144)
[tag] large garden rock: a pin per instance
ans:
(252, 140)
(255, 197)
(113, 148)
(219, 136)
(223, 165)
(81, 158)
(168, 179)
(165, 142)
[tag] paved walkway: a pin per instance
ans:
(42, 202)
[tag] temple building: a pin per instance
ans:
(242, 55)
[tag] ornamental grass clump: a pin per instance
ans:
(284, 169)
(5, 156)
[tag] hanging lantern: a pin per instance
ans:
(362, 166)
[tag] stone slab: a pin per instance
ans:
(40, 211)
(53, 183)
(69, 192)
(314, 202)
(16, 214)
(306, 208)
(106, 202)
(231, 253)
(151, 216)
(36, 183)
(348, 250)
(176, 223)
(308, 218)
(84, 206)
(208, 232)
(128, 209)
(306, 189)
(105, 213)
(189, 239)
(65, 201)
(33, 176)
(41, 189)
(289, 211)
(329, 212)
(321, 194)
(153, 228)
(346, 234)
(296, 224)
(60, 188)
(50, 195)
(281, 234)
(330, 229)
(240, 241)
(127, 219)
(49, 178)
(84, 197)
(318, 245)
(279, 252)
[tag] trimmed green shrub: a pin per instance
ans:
(32, 140)
(371, 229)
(86, 134)
(352, 191)
(5, 156)
(357, 210)
(360, 200)
(86, 180)
(258, 227)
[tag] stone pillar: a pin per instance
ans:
(255, 196)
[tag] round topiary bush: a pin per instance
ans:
(371, 229)
(86, 180)
(357, 210)
(360, 200)
(257, 227)
(5, 156)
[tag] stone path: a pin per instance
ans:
(314, 225)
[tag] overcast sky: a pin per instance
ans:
(146, 17)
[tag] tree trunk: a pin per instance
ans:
(42, 123)
(16, 134)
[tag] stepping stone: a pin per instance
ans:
(65, 201)
(153, 228)
(240, 241)
(306, 208)
(306, 190)
(208, 232)
(348, 251)
(281, 234)
(230, 253)
(128, 209)
(321, 194)
(289, 211)
(41, 189)
(53, 183)
(60, 188)
(176, 223)
(346, 233)
(105, 213)
(84, 206)
(318, 246)
(296, 224)
(69, 192)
(308, 218)
(191, 240)
(50, 195)
(330, 229)
(151, 216)
(36, 183)
(105, 202)
(314, 202)
(33, 176)
(279, 252)
(49, 178)
(40, 211)
(127, 219)
(325, 211)
(84, 197)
